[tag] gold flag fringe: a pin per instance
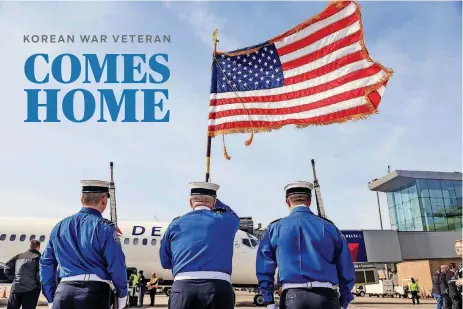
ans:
(372, 108)
(225, 154)
(248, 142)
(251, 130)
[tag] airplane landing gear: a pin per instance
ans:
(259, 300)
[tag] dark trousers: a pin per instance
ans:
(141, 295)
(28, 300)
(415, 296)
(152, 296)
(456, 303)
(201, 294)
(447, 304)
(82, 295)
(315, 298)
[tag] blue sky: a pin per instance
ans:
(419, 125)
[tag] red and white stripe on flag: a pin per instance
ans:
(328, 77)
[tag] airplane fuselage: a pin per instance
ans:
(140, 242)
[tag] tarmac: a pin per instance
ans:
(245, 301)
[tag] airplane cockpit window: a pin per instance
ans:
(12, 237)
(144, 241)
(42, 238)
(253, 239)
(246, 242)
(153, 242)
(135, 241)
(126, 241)
(2, 237)
(22, 238)
(32, 237)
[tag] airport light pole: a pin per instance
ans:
(379, 210)
(382, 228)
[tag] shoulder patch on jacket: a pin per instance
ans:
(218, 210)
(175, 218)
(107, 221)
(274, 221)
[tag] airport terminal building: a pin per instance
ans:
(426, 218)
(426, 208)
(422, 201)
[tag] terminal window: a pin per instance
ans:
(426, 205)
(365, 276)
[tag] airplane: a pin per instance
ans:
(140, 242)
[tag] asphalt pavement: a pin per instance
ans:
(245, 301)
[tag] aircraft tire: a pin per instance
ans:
(259, 300)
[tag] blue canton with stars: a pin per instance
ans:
(258, 70)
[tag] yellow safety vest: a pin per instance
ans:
(135, 279)
(414, 287)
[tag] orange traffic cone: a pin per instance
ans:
(4, 293)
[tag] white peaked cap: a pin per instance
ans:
(299, 187)
(204, 188)
(97, 186)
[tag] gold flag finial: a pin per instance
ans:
(214, 37)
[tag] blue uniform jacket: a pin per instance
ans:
(201, 240)
(305, 248)
(84, 243)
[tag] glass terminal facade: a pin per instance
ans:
(426, 205)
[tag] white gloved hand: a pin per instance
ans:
(50, 306)
(272, 306)
(121, 302)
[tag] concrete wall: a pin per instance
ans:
(419, 270)
(382, 246)
(428, 245)
(422, 270)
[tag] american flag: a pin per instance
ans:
(317, 73)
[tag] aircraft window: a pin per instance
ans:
(145, 241)
(126, 241)
(254, 243)
(2, 238)
(22, 238)
(153, 242)
(135, 241)
(12, 237)
(42, 238)
(246, 242)
(32, 237)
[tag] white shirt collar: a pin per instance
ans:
(202, 208)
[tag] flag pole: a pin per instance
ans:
(209, 138)
(318, 195)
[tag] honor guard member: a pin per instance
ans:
(198, 247)
(89, 254)
(311, 254)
